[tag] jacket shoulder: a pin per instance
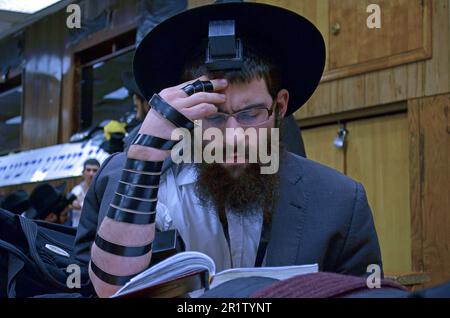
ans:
(317, 175)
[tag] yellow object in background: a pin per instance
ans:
(114, 127)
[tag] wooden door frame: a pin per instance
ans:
(75, 57)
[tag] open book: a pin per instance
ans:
(192, 271)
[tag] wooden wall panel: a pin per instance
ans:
(437, 73)
(198, 3)
(404, 36)
(319, 146)
(378, 157)
(42, 81)
(347, 94)
(70, 111)
(430, 185)
(386, 85)
(319, 103)
(419, 79)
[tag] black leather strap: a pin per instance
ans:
(141, 165)
(140, 178)
(154, 142)
(132, 190)
(207, 86)
(109, 278)
(133, 204)
(198, 86)
(129, 217)
(121, 250)
(170, 113)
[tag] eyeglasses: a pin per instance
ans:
(247, 117)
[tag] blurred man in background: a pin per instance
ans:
(51, 204)
(90, 168)
(18, 202)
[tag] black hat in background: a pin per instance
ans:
(130, 84)
(288, 39)
(18, 202)
(46, 199)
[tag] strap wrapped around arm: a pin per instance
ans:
(154, 142)
(135, 191)
(133, 204)
(132, 218)
(170, 113)
(140, 178)
(109, 278)
(121, 250)
(145, 166)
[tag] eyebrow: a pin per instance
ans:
(249, 107)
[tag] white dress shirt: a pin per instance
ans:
(200, 228)
(79, 191)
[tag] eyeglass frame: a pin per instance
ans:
(269, 111)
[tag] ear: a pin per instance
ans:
(135, 98)
(282, 102)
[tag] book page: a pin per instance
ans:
(282, 272)
(181, 264)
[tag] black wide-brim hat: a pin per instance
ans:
(299, 48)
(130, 84)
(16, 202)
(46, 197)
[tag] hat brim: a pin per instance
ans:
(299, 46)
(130, 84)
(61, 187)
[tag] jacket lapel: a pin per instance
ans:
(289, 218)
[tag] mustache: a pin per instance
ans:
(240, 149)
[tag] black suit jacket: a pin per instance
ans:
(322, 217)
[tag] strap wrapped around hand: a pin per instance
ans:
(154, 142)
(121, 250)
(132, 218)
(170, 113)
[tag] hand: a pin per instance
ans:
(76, 205)
(194, 107)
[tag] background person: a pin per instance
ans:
(50, 203)
(90, 168)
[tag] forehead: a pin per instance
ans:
(240, 95)
(91, 167)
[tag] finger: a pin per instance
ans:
(199, 111)
(185, 83)
(199, 98)
(218, 84)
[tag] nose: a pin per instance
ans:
(232, 123)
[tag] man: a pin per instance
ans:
(50, 203)
(90, 168)
(304, 213)
(18, 202)
(139, 102)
